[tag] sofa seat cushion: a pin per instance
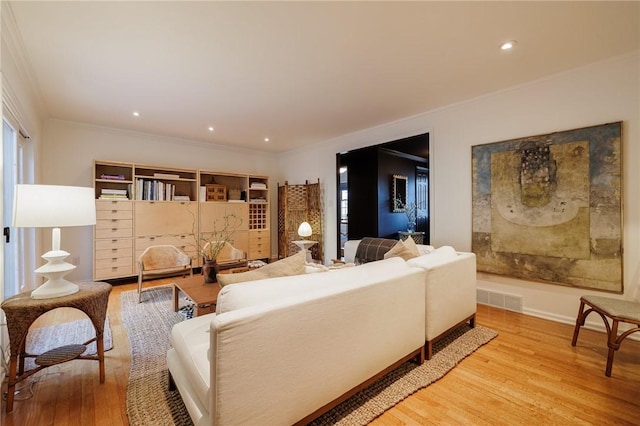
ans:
(275, 290)
(292, 265)
(191, 341)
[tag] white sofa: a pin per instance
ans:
(283, 350)
(450, 288)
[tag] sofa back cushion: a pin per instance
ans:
(292, 265)
(305, 286)
(437, 257)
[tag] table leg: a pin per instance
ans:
(100, 347)
(175, 298)
(11, 388)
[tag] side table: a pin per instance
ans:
(21, 311)
(305, 245)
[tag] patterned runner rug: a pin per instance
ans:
(150, 402)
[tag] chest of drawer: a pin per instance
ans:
(113, 233)
(114, 253)
(114, 223)
(102, 205)
(114, 243)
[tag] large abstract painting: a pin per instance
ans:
(548, 208)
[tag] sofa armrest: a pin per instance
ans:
(450, 292)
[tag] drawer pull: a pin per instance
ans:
(114, 241)
(114, 268)
(114, 211)
(114, 202)
(114, 229)
(114, 220)
(152, 238)
(114, 250)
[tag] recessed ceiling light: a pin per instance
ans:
(211, 128)
(266, 139)
(136, 114)
(508, 44)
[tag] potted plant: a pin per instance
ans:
(210, 244)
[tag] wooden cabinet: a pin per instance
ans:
(212, 215)
(113, 233)
(141, 205)
(248, 198)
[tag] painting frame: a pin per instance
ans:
(549, 208)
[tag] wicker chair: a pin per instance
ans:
(162, 260)
(229, 257)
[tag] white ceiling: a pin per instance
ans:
(297, 72)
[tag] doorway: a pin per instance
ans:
(363, 189)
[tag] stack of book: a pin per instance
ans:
(113, 194)
(258, 185)
(155, 190)
(111, 177)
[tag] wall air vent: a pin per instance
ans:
(499, 300)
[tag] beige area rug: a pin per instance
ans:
(40, 340)
(150, 402)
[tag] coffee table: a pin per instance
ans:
(204, 296)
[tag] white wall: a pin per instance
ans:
(596, 94)
(69, 150)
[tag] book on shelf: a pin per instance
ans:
(258, 185)
(111, 177)
(166, 176)
(113, 197)
(235, 201)
(181, 198)
(113, 191)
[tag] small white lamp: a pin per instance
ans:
(53, 206)
(304, 230)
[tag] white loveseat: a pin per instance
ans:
(283, 350)
(450, 288)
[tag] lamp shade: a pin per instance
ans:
(304, 230)
(48, 206)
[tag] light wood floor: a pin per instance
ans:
(529, 375)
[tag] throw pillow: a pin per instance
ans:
(292, 265)
(406, 249)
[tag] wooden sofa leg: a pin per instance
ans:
(420, 357)
(472, 321)
(428, 345)
(172, 384)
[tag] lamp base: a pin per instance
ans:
(54, 288)
(55, 269)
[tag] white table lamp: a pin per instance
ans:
(304, 230)
(53, 206)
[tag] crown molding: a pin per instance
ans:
(13, 46)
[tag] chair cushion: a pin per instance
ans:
(615, 307)
(292, 265)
